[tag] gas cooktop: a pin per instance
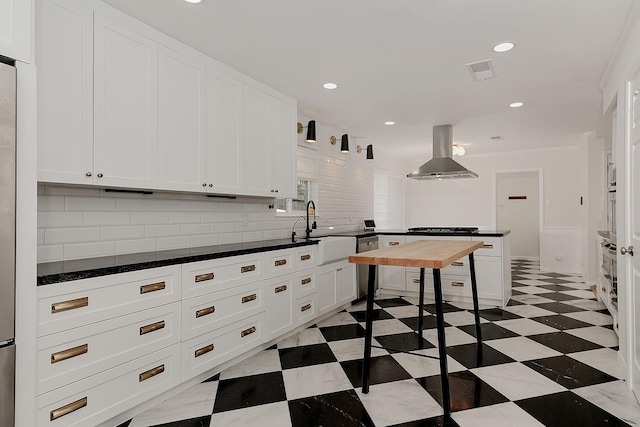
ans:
(447, 230)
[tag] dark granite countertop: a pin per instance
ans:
(480, 233)
(64, 271)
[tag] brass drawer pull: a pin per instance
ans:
(67, 409)
(59, 307)
(69, 353)
(205, 311)
(247, 268)
(145, 289)
(305, 281)
(305, 307)
(457, 263)
(204, 350)
(416, 280)
(249, 298)
(280, 262)
(487, 246)
(204, 277)
(151, 373)
(152, 327)
(305, 257)
(281, 289)
(394, 243)
(458, 284)
(248, 331)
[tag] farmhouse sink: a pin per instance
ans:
(335, 248)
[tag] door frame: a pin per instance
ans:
(540, 172)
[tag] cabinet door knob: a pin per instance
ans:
(204, 184)
(100, 175)
(88, 174)
(627, 250)
(210, 185)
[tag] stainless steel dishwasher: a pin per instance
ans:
(365, 244)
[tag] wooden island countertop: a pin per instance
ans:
(422, 253)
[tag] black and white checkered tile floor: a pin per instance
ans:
(549, 359)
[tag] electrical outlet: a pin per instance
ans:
(547, 204)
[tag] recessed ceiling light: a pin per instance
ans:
(504, 47)
(329, 85)
(389, 123)
(193, 1)
(516, 104)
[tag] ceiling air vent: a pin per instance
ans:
(482, 70)
(497, 138)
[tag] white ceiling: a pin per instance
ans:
(404, 60)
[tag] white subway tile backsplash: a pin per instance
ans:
(89, 250)
(135, 246)
(213, 216)
(137, 205)
(252, 236)
(204, 206)
(184, 217)
(230, 238)
(194, 229)
(205, 240)
(149, 218)
(162, 230)
(57, 236)
(92, 219)
(50, 253)
(222, 228)
(89, 204)
(50, 204)
(174, 205)
(40, 237)
(165, 243)
(60, 219)
(122, 232)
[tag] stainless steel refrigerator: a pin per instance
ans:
(7, 241)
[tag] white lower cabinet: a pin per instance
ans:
(336, 285)
(280, 292)
(389, 276)
(346, 283)
(306, 309)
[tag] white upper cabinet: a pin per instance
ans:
(269, 145)
(182, 125)
(224, 133)
(126, 106)
(64, 59)
(15, 29)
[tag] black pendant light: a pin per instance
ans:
(311, 131)
(369, 152)
(344, 147)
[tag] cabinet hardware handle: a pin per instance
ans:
(305, 281)
(152, 327)
(416, 280)
(280, 262)
(151, 373)
(88, 174)
(205, 311)
(204, 184)
(280, 289)
(305, 257)
(487, 246)
(249, 298)
(204, 277)
(394, 243)
(458, 284)
(248, 331)
(305, 307)
(457, 264)
(100, 175)
(204, 350)
(276, 191)
(58, 307)
(273, 191)
(603, 289)
(145, 289)
(210, 185)
(67, 409)
(247, 268)
(69, 353)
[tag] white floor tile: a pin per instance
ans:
(586, 304)
(398, 402)
(516, 381)
(403, 311)
(452, 336)
(270, 415)
(259, 363)
(353, 349)
(525, 326)
(528, 311)
(313, 380)
(305, 337)
(522, 348)
(597, 334)
(533, 289)
(419, 366)
(461, 318)
(531, 299)
(503, 415)
(614, 397)
(592, 317)
(341, 318)
(603, 359)
(580, 293)
(388, 327)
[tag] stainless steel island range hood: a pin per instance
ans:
(442, 166)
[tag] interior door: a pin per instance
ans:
(631, 223)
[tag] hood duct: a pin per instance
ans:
(442, 166)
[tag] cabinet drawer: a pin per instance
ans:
(304, 283)
(212, 311)
(97, 398)
(211, 349)
(81, 302)
(492, 246)
(204, 277)
(459, 267)
(451, 285)
(71, 355)
(305, 257)
(278, 263)
(305, 309)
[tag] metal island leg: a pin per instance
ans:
(366, 363)
(442, 345)
(476, 313)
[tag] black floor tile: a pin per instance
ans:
(558, 296)
(564, 343)
(467, 355)
(403, 342)
(392, 302)
(568, 372)
(244, 392)
(556, 287)
(515, 292)
(384, 369)
(558, 307)
(561, 322)
(342, 408)
(490, 331)
(568, 409)
(430, 422)
(467, 391)
(306, 355)
(213, 378)
(342, 332)
(557, 281)
(494, 314)
(429, 322)
(555, 275)
(513, 302)
(377, 315)
(191, 422)
(446, 308)
(125, 424)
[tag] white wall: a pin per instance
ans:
(521, 216)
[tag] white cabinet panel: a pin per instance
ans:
(257, 143)
(391, 277)
(126, 106)
(15, 29)
(489, 277)
(182, 124)
(346, 283)
(64, 59)
(279, 316)
(224, 133)
(283, 149)
(326, 285)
